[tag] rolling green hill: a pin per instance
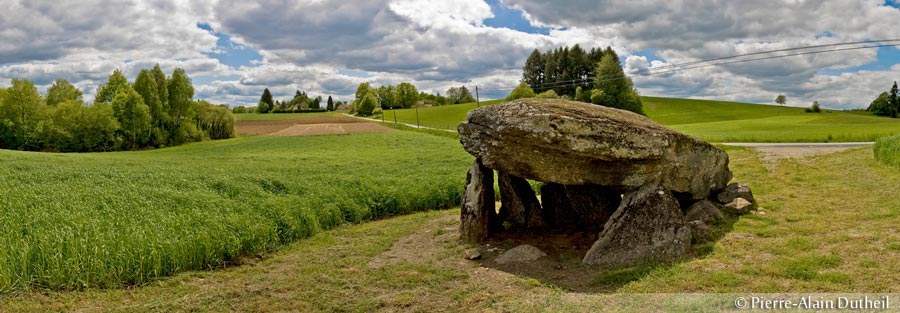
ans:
(715, 121)
(720, 121)
(443, 117)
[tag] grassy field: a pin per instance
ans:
(829, 226)
(715, 121)
(111, 219)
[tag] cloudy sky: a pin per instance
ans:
(233, 49)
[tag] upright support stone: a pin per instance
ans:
(647, 226)
(581, 207)
(478, 208)
(519, 205)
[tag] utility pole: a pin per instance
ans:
(477, 100)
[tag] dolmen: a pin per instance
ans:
(645, 188)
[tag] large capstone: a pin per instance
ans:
(575, 143)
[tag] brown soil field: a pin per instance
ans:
(329, 125)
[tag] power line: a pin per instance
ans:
(782, 50)
(679, 67)
(771, 57)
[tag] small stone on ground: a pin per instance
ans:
(523, 253)
(739, 206)
(473, 254)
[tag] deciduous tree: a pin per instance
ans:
(20, 113)
(521, 91)
(617, 90)
(781, 99)
(133, 116)
(406, 95)
(386, 96)
(181, 94)
(114, 84)
(146, 86)
(881, 105)
(61, 91)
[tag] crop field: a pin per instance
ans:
(715, 121)
(283, 116)
(308, 125)
(113, 219)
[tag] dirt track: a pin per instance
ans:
(327, 125)
(777, 151)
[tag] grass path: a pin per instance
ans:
(829, 226)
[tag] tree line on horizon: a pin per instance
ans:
(301, 102)
(154, 111)
(592, 76)
(370, 100)
(887, 103)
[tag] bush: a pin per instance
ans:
(887, 150)
(367, 105)
(814, 108)
(582, 95)
(521, 91)
(215, 121)
(549, 94)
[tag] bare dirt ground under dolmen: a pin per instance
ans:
(327, 125)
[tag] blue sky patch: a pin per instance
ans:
(826, 34)
(229, 52)
(887, 57)
(650, 54)
(508, 17)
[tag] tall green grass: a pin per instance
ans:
(104, 220)
(887, 150)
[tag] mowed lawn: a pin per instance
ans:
(72, 221)
(829, 226)
(442, 117)
(714, 121)
(720, 121)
